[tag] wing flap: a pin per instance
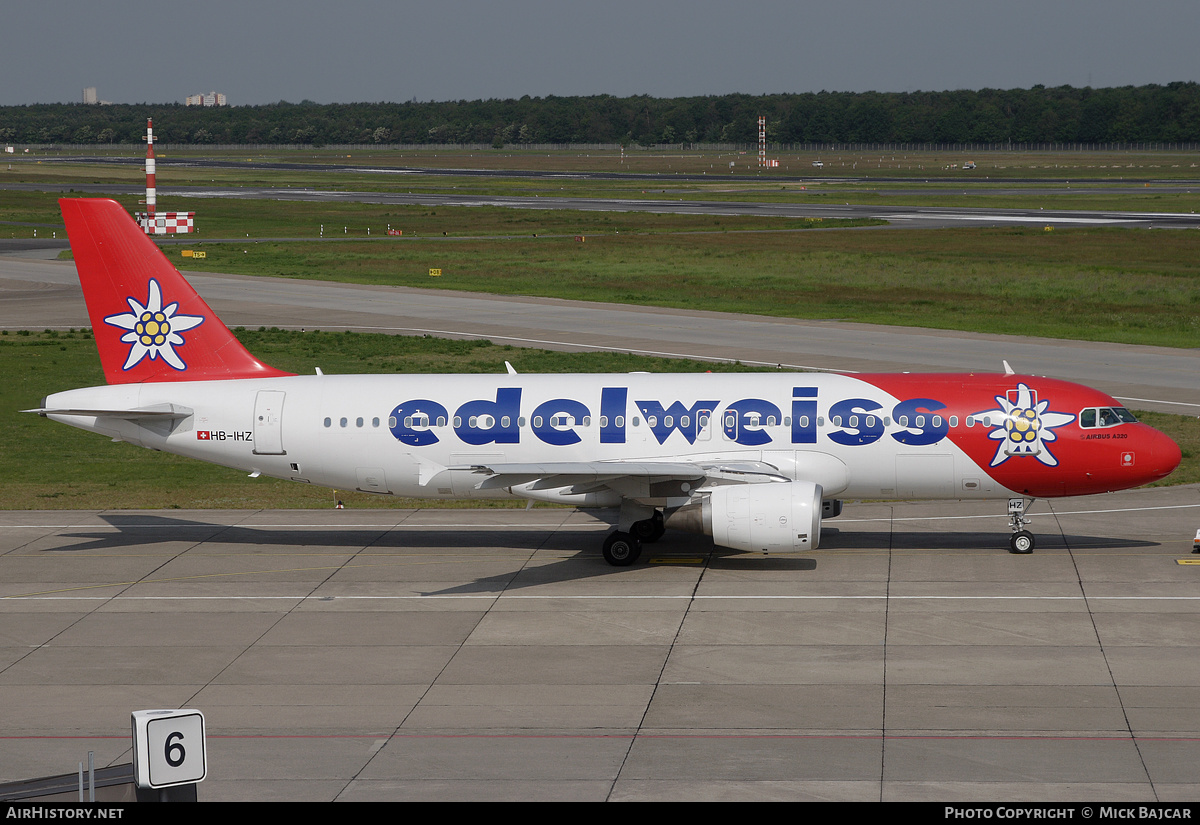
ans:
(630, 479)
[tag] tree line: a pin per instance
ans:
(1063, 114)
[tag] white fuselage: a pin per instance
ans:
(399, 434)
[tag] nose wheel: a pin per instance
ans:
(1022, 541)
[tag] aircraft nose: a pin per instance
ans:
(1165, 455)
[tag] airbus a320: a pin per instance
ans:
(753, 460)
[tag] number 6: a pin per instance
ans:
(173, 747)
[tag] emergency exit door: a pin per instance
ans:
(268, 423)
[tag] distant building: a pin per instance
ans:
(210, 99)
(89, 95)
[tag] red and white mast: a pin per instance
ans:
(763, 162)
(168, 223)
(150, 185)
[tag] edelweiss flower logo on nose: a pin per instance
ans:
(1023, 428)
(153, 329)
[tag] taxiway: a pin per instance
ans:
(476, 654)
(38, 294)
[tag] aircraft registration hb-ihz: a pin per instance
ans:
(753, 460)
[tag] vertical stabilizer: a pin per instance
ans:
(149, 324)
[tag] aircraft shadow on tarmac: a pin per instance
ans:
(674, 549)
(981, 541)
(142, 530)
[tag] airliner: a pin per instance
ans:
(755, 461)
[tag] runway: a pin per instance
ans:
(37, 294)
(462, 655)
(910, 217)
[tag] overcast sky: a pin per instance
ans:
(160, 51)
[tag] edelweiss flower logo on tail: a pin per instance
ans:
(1023, 428)
(153, 329)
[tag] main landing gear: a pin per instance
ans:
(1022, 541)
(622, 549)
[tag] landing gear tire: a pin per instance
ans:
(648, 530)
(1021, 543)
(621, 549)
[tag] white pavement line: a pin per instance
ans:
(1155, 401)
(673, 597)
(950, 216)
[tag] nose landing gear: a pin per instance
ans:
(1022, 541)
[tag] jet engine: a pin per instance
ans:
(778, 517)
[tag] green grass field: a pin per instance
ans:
(916, 164)
(48, 465)
(1061, 180)
(1100, 283)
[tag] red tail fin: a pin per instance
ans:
(150, 325)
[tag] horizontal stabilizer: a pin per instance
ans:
(161, 412)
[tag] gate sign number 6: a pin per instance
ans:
(168, 747)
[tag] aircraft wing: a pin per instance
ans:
(631, 479)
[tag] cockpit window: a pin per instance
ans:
(1105, 417)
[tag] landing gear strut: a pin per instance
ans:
(649, 530)
(1022, 541)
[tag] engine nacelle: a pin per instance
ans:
(765, 518)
